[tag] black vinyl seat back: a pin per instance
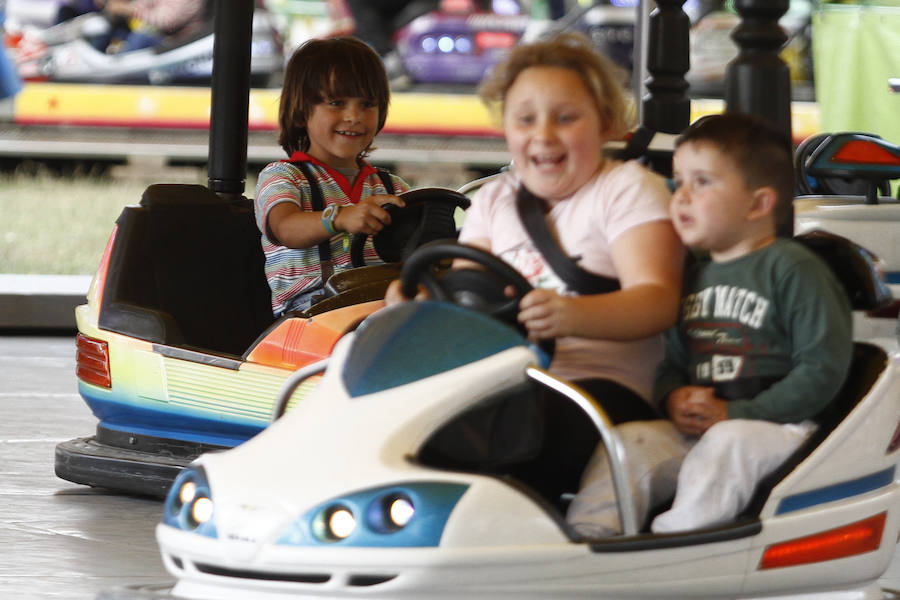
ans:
(855, 267)
(187, 269)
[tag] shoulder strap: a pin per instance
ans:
(386, 180)
(584, 282)
(318, 205)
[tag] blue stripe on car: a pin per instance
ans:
(836, 492)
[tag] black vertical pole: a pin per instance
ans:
(230, 96)
(757, 81)
(666, 108)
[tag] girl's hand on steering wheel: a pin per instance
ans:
(545, 314)
(368, 216)
(394, 293)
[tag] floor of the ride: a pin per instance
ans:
(58, 539)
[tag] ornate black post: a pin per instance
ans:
(757, 81)
(230, 97)
(666, 107)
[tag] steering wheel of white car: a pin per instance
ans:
(479, 289)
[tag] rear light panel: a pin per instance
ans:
(103, 269)
(92, 361)
(489, 40)
(856, 538)
(864, 152)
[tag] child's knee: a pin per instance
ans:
(639, 433)
(727, 433)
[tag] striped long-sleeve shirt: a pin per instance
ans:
(292, 271)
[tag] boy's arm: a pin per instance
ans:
(287, 224)
(284, 213)
(819, 324)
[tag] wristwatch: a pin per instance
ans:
(328, 216)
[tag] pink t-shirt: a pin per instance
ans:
(619, 197)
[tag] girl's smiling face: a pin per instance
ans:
(553, 131)
(340, 129)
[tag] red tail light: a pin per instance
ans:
(861, 151)
(103, 269)
(485, 40)
(850, 540)
(92, 361)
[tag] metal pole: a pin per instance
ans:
(230, 96)
(666, 108)
(757, 81)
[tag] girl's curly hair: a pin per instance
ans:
(569, 50)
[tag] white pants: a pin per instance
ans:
(713, 477)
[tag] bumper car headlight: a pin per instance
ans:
(400, 511)
(402, 515)
(340, 523)
(189, 505)
(391, 512)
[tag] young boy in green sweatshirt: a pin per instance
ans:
(762, 344)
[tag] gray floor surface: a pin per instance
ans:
(58, 539)
(61, 540)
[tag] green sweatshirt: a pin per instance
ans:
(775, 315)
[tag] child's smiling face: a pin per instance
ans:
(553, 131)
(340, 129)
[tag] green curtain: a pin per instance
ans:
(856, 49)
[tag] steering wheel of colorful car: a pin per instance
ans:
(427, 216)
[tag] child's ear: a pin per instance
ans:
(764, 201)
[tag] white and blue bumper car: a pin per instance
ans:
(343, 497)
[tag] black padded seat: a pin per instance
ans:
(187, 269)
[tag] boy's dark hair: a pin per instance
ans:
(322, 69)
(762, 153)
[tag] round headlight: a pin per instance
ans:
(202, 510)
(187, 492)
(463, 45)
(400, 511)
(445, 44)
(341, 523)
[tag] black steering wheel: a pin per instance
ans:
(481, 289)
(427, 216)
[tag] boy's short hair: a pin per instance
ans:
(571, 50)
(762, 153)
(321, 69)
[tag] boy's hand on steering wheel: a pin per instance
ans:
(545, 314)
(368, 216)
